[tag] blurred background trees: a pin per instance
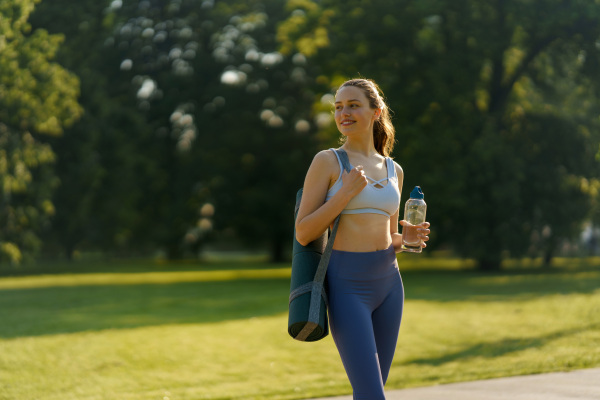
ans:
(38, 99)
(496, 106)
(196, 120)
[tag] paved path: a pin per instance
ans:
(581, 385)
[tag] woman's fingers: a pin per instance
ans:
(424, 226)
(355, 172)
(358, 173)
(355, 180)
(423, 233)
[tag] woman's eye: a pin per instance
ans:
(337, 108)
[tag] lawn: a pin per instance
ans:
(148, 330)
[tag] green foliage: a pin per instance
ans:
(37, 97)
(37, 94)
(231, 116)
(201, 118)
(494, 108)
(182, 101)
(292, 32)
(27, 185)
(102, 168)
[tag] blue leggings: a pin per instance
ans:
(366, 297)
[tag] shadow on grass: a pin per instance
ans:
(55, 310)
(131, 266)
(498, 348)
(69, 309)
(498, 286)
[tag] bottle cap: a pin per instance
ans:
(417, 193)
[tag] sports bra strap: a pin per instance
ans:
(342, 157)
(391, 168)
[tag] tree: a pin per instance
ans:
(101, 160)
(38, 98)
(233, 116)
(471, 82)
(182, 101)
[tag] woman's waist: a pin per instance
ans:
(363, 233)
(364, 244)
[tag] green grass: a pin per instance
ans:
(146, 330)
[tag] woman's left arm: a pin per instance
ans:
(397, 237)
(394, 220)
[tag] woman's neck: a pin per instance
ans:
(361, 145)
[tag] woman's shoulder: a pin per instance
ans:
(325, 159)
(398, 168)
(324, 167)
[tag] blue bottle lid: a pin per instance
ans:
(417, 193)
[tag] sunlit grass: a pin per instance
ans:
(218, 331)
(94, 279)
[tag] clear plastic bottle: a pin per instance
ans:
(414, 214)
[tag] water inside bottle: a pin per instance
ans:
(415, 216)
(410, 235)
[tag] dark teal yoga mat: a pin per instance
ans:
(307, 319)
(305, 261)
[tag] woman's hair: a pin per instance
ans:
(383, 130)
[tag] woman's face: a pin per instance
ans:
(353, 115)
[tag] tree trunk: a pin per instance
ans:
(491, 257)
(549, 251)
(548, 255)
(277, 247)
(174, 251)
(70, 251)
(489, 264)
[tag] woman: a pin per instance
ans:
(365, 289)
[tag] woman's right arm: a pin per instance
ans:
(315, 215)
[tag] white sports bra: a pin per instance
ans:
(375, 198)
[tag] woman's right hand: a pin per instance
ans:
(354, 182)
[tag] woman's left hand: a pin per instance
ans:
(423, 231)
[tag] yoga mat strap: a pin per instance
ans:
(307, 287)
(306, 331)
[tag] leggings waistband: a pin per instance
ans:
(363, 265)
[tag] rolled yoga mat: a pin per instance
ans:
(305, 261)
(308, 302)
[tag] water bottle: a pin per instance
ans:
(414, 214)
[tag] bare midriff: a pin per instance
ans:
(363, 233)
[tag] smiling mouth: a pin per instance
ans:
(346, 122)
